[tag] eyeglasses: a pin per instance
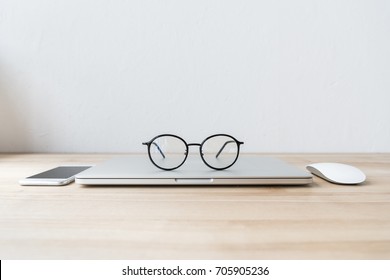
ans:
(168, 151)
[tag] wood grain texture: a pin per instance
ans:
(318, 221)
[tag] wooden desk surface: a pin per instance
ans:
(318, 221)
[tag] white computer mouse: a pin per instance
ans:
(337, 173)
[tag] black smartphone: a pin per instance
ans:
(59, 176)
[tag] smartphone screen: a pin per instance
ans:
(61, 175)
(61, 172)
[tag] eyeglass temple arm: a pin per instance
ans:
(158, 147)
(224, 145)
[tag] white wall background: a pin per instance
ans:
(283, 76)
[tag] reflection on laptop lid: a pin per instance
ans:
(248, 170)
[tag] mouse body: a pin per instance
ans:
(337, 173)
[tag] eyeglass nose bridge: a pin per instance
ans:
(193, 144)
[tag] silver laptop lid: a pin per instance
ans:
(248, 170)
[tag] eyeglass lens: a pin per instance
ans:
(169, 152)
(219, 151)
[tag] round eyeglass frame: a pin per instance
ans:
(149, 143)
